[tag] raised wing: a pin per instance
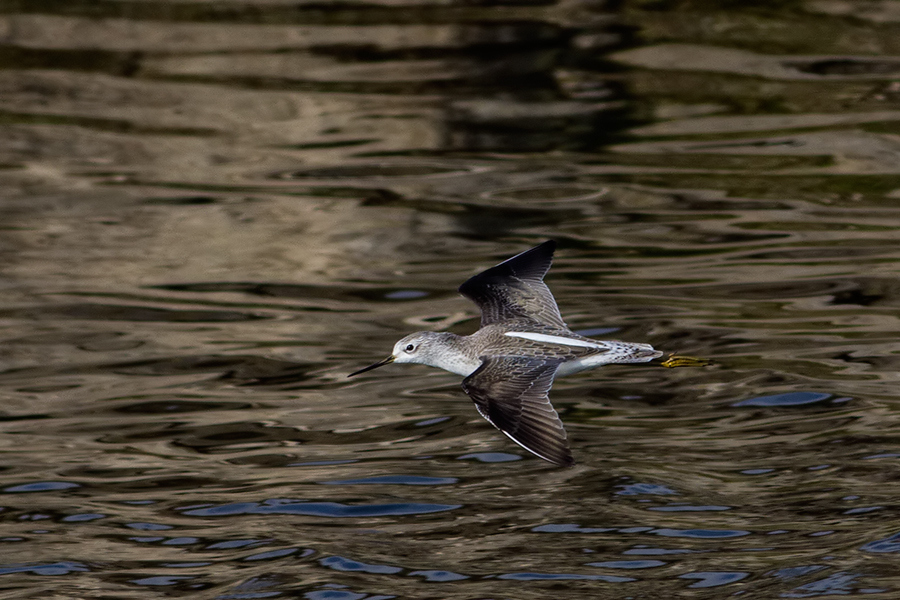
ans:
(515, 289)
(511, 392)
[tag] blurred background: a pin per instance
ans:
(212, 211)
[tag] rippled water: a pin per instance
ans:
(212, 212)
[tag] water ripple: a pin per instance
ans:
(710, 579)
(787, 399)
(52, 569)
(889, 544)
(564, 577)
(212, 210)
(40, 486)
(316, 509)
(394, 480)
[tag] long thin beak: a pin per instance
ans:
(380, 363)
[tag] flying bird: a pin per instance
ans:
(523, 344)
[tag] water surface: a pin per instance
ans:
(212, 212)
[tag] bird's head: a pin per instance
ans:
(419, 347)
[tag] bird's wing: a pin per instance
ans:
(515, 289)
(511, 392)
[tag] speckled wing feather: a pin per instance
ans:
(511, 392)
(515, 289)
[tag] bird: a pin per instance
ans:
(523, 344)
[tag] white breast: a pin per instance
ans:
(456, 363)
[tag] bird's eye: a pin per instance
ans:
(410, 347)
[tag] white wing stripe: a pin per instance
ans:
(553, 339)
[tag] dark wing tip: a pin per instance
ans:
(565, 458)
(549, 245)
(531, 264)
(559, 456)
(552, 447)
(534, 262)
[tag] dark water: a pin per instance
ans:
(211, 212)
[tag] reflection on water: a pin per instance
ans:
(213, 211)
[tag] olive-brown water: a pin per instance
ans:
(212, 212)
